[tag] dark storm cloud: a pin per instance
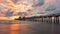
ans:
(22, 13)
(51, 7)
(9, 13)
(14, 1)
(39, 3)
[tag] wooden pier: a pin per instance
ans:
(54, 18)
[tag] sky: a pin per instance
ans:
(28, 7)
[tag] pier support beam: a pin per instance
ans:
(42, 19)
(45, 19)
(56, 19)
(49, 19)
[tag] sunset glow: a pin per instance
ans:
(27, 7)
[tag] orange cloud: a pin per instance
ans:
(47, 1)
(15, 7)
(23, 6)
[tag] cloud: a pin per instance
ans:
(14, 1)
(50, 7)
(38, 3)
(9, 13)
(32, 6)
(22, 13)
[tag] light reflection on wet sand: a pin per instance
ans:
(27, 27)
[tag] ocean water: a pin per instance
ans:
(28, 27)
